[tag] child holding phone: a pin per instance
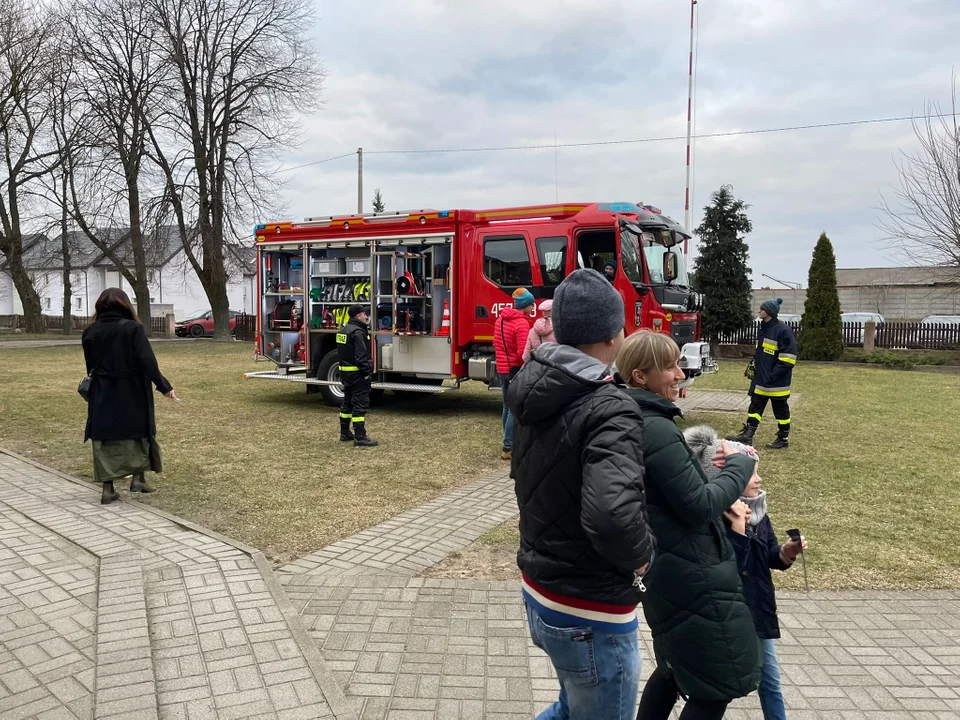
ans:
(758, 552)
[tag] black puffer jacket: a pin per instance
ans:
(578, 467)
(695, 607)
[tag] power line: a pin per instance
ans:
(603, 143)
(319, 162)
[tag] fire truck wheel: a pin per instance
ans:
(329, 369)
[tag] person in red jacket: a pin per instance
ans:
(509, 338)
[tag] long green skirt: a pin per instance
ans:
(116, 459)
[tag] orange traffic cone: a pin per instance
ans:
(445, 327)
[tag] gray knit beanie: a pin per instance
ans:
(705, 443)
(586, 309)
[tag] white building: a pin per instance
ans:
(174, 286)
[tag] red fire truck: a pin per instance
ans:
(435, 282)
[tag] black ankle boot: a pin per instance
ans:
(109, 494)
(139, 484)
(781, 443)
(362, 440)
(345, 434)
(746, 435)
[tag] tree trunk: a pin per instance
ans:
(32, 315)
(65, 250)
(141, 287)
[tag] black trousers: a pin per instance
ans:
(356, 397)
(660, 695)
(781, 411)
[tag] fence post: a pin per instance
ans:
(870, 336)
(171, 325)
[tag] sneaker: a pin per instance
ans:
(506, 455)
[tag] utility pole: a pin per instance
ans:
(686, 204)
(360, 181)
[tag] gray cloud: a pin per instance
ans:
(408, 74)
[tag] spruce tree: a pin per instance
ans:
(721, 270)
(378, 205)
(821, 334)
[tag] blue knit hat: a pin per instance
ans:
(772, 307)
(522, 298)
(610, 263)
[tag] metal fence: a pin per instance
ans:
(52, 323)
(890, 335)
(246, 328)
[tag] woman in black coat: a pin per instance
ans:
(120, 418)
(703, 635)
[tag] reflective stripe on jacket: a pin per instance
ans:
(774, 361)
(353, 346)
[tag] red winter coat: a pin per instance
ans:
(509, 338)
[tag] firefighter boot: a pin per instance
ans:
(781, 443)
(363, 440)
(746, 434)
(140, 484)
(345, 434)
(109, 494)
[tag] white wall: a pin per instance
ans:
(8, 295)
(174, 285)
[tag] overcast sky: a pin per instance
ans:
(417, 74)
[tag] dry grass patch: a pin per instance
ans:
(260, 460)
(871, 477)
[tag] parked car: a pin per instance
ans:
(861, 319)
(790, 318)
(200, 324)
(937, 332)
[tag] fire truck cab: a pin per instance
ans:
(435, 282)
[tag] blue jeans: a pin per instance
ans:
(506, 418)
(599, 672)
(771, 699)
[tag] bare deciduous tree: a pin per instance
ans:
(240, 71)
(25, 54)
(923, 219)
(120, 79)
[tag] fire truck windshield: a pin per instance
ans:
(654, 250)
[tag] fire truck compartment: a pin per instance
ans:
(421, 354)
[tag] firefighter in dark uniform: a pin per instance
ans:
(356, 373)
(772, 374)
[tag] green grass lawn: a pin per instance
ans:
(871, 478)
(260, 460)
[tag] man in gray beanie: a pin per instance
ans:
(578, 469)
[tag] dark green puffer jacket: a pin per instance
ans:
(694, 604)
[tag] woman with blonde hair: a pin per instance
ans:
(703, 634)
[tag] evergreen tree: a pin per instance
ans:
(821, 334)
(721, 270)
(378, 205)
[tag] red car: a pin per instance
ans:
(200, 324)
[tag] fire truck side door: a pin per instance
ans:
(505, 266)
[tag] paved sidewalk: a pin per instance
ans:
(119, 612)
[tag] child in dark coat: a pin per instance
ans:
(758, 552)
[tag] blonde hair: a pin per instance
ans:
(646, 350)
